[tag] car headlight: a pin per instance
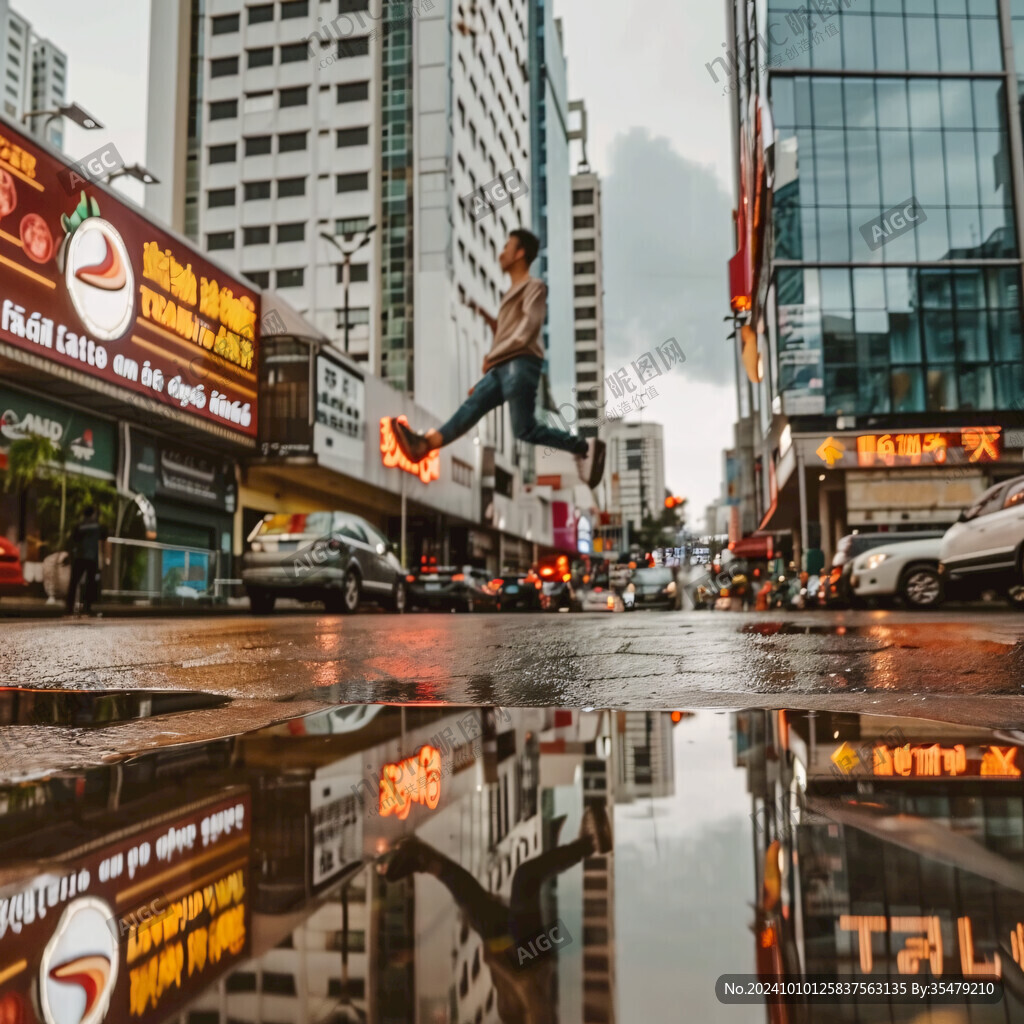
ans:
(874, 561)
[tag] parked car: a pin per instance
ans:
(334, 557)
(984, 549)
(558, 588)
(654, 588)
(598, 599)
(908, 570)
(519, 592)
(452, 588)
(12, 582)
(838, 591)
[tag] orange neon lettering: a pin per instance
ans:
(417, 779)
(916, 949)
(954, 759)
(882, 760)
(970, 965)
(928, 760)
(982, 443)
(863, 925)
(426, 469)
(996, 761)
(903, 760)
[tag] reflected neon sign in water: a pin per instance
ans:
(415, 780)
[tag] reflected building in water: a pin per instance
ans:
(886, 846)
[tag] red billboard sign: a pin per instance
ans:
(86, 282)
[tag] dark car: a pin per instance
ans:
(12, 582)
(838, 590)
(335, 557)
(452, 588)
(653, 588)
(519, 592)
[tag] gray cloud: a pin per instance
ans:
(667, 240)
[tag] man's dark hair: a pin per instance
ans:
(89, 511)
(528, 242)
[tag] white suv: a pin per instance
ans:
(984, 548)
(908, 569)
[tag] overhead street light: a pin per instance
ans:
(346, 263)
(72, 111)
(137, 171)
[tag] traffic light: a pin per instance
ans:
(674, 501)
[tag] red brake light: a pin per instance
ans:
(410, 579)
(497, 583)
(458, 577)
(547, 571)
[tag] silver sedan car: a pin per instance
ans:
(334, 557)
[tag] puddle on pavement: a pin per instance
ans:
(452, 864)
(799, 629)
(83, 708)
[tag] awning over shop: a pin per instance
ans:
(758, 547)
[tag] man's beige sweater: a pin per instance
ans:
(520, 320)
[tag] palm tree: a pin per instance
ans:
(32, 458)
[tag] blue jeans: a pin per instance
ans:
(514, 382)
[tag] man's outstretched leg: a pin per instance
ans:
(483, 397)
(520, 379)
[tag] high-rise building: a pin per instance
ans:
(35, 74)
(550, 191)
(588, 299)
(269, 127)
(636, 468)
(878, 271)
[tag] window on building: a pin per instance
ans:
(292, 278)
(291, 142)
(585, 291)
(586, 334)
(353, 137)
(357, 182)
(359, 272)
(292, 52)
(225, 23)
(260, 57)
(297, 97)
(260, 12)
(260, 278)
(291, 187)
(357, 316)
(292, 232)
(223, 66)
(586, 377)
(259, 235)
(585, 268)
(257, 145)
(585, 313)
(351, 225)
(583, 245)
(583, 222)
(256, 190)
(220, 240)
(350, 92)
(223, 154)
(294, 9)
(355, 46)
(220, 197)
(222, 109)
(583, 197)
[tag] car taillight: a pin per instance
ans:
(410, 579)
(497, 584)
(334, 544)
(611, 601)
(547, 571)
(458, 577)
(566, 577)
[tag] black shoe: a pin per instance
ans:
(414, 446)
(591, 465)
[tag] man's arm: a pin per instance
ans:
(535, 304)
(487, 318)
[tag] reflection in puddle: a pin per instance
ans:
(78, 708)
(452, 864)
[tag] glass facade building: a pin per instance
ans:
(885, 269)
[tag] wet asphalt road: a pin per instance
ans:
(965, 666)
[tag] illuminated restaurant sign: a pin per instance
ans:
(979, 444)
(426, 469)
(132, 931)
(415, 780)
(89, 284)
(923, 950)
(932, 760)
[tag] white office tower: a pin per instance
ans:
(34, 74)
(636, 465)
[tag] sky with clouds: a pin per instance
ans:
(659, 136)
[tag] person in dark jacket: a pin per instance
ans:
(88, 542)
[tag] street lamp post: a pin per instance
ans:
(137, 171)
(346, 265)
(72, 111)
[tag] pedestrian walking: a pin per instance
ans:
(88, 541)
(511, 371)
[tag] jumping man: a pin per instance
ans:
(511, 372)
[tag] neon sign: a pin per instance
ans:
(979, 444)
(931, 760)
(415, 780)
(426, 469)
